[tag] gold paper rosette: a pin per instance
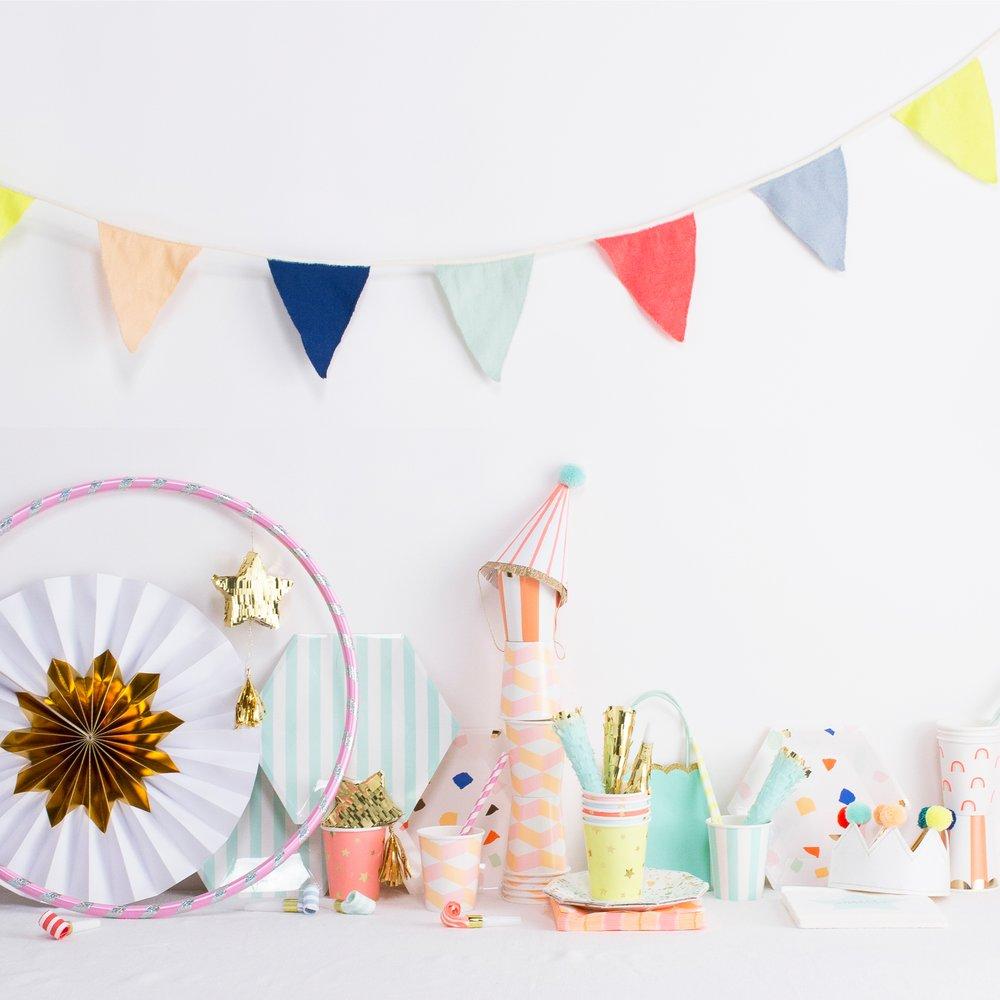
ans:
(92, 740)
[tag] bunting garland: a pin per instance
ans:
(13, 205)
(956, 118)
(812, 203)
(657, 267)
(142, 274)
(320, 301)
(655, 263)
(486, 301)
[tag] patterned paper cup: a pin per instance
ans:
(353, 858)
(536, 760)
(968, 756)
(536, 841)
(528, 608)
(738, 853)
(450, 863)
(530, 685)
(629, 806)
(616, 856)
(970, 854)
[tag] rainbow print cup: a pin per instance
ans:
(450, 862)
(615, 830)
(738, 854)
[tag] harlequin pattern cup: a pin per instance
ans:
(450, 862)
(353, 859)
(530, 688)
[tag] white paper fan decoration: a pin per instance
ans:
(193, 809)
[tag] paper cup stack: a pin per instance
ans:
(969, 756)
(536, 843)
(529, 575)
(614, 832)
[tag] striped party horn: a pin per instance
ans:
(58, 927)
(484, 795)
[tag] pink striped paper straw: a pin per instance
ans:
(484, 795)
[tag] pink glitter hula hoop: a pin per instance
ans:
(194, 490)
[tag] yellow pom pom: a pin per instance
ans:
(938, 818)
(889, 815)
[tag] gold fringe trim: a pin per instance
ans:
(490, 569)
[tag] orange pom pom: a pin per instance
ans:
(890, 814)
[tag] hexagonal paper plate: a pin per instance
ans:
(404, 725)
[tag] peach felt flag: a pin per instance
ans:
(657, 267)
(142, 274)
(956, 118)
(13, 205)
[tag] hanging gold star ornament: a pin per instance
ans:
(92, 740)
(252, 594)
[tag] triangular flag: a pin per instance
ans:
(486, 301)
(320, 300)
(142, 274)
(812, 202)
(657, 267)
(956, 118)
(13, 205)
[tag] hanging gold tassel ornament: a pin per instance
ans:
(250, 708)
(395, 868)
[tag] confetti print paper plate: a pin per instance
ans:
(661, 888)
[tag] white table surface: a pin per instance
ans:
(746, 950)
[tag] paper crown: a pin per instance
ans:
(889, 865)
(538, 550)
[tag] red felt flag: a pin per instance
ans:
(657, 267)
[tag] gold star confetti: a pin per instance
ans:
(611, 848)
(92, 740)
(363, 876)
(629, 872)
(345, 853)
(252, 595)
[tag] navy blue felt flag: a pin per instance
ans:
(320, 300)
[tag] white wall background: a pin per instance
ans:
(791, 516)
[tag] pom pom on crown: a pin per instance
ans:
(938, 818)
(572, 476)
(890, 814)
(858, 812)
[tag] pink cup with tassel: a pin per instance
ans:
(353, 860)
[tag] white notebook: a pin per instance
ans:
(812, 907)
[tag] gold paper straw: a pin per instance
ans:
(618, 725)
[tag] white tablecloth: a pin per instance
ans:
(746, 951)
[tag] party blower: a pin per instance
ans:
(529, 574)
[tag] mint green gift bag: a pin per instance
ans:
(678, 835)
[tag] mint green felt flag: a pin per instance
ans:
(486, 301)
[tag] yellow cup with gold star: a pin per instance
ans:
(615, 829)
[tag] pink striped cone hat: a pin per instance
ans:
(538, 550)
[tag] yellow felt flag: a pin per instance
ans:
(13, 205)
(142, 273)
(956, 118)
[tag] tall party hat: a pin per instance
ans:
(538, 550)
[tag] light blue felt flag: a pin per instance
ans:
(812, 202)
(486, 301)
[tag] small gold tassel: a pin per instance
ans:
(395, 868)
(250, 708)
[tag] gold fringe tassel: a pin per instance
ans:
(395, 868)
